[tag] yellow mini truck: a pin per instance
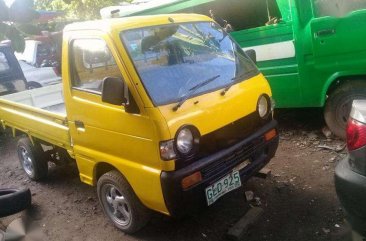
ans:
(163, 113)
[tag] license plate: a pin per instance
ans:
(221, 187)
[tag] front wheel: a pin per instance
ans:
(339, 104)
(120, 203)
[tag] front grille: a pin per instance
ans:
(231, 134)
(225, 137)
(223, 165)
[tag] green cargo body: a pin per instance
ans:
(312, 52)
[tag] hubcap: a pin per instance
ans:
(115, 204)
(26, 161)
(343, 113)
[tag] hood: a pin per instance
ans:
(211, 111)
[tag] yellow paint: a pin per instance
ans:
(128, 142)
(214, 110)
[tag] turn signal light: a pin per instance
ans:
(270, 135)
(191, 180)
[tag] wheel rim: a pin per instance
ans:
(116, 205)
(26, 161)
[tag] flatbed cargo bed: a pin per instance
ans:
(39, 113)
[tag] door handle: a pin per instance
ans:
(325, 32)
(79, 125)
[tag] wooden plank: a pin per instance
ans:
(239, 229)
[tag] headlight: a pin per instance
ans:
(187, 140)
(184, 145)
(263, 106)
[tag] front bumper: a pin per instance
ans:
(351, 191)
(214, 167)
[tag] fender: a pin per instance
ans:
(336, 76)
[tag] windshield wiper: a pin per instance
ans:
(192, 90)
(235, 80)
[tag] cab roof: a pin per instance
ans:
(108, 25)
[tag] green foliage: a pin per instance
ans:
(15, 22)
(77, 9)
(17, 40)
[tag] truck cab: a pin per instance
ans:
(310, 51)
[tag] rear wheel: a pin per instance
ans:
(120, 203)
(339, 103)
(33, 159)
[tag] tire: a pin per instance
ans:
(33, 85)
(32, 159)
(339, 104)
(120, 203)
(13, 201)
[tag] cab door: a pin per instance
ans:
(273, 39)
(104, 132)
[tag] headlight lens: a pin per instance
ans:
(263, 106)
(185, 141)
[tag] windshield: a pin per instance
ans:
(172, 59)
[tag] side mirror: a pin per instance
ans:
(252, 55)
(113, 91)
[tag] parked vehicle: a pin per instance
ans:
(37, 52)
(38, 77)
(350, 174)
(162, 112)
(310, 51)
(11, 76)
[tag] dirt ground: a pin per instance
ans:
(298, 199)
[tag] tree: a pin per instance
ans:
(15, 22)
(77, 9)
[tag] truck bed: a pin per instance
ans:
(39, 113)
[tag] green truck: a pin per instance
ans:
(311, 51)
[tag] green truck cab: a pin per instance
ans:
(311, 51)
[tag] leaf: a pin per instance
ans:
(17, 40)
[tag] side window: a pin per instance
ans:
(4, 65)
(92, 61)
(240, 15)
(337, 8)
